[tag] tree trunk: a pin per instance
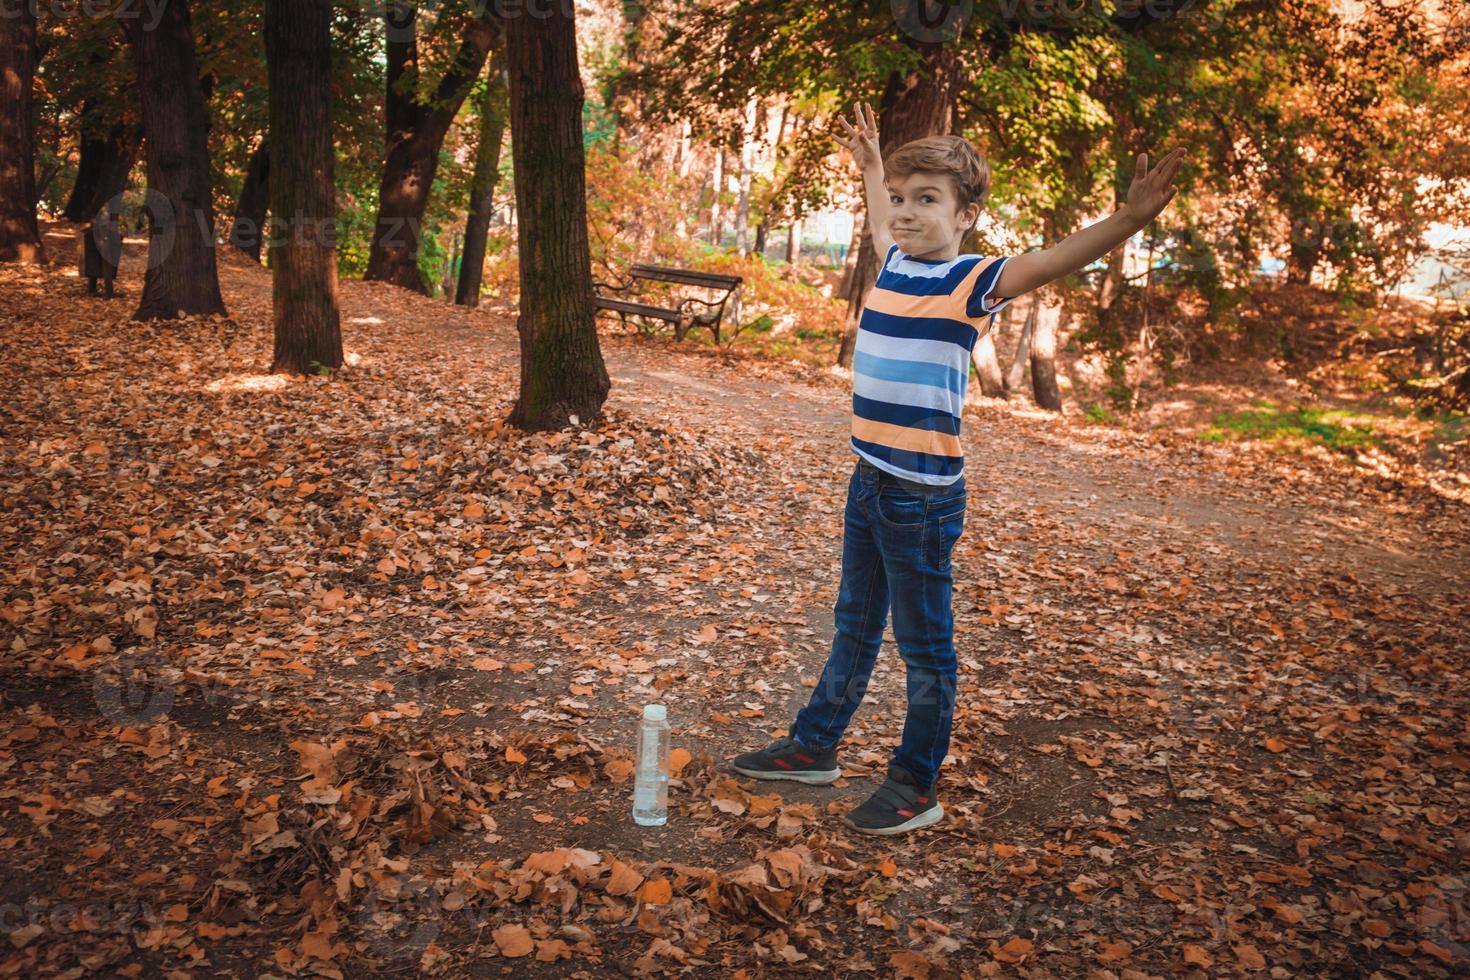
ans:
(850, 258)
(1112, 283)
(416, 131)
(747, 169)
(987, 365)
(793, 242)
(303, 198)
(1044, 350)
(1016, 373)
(182, 278)
(493, 111)
(108, 152)
(562, 372)
(917, 104)
(20, 234)
(719, 186)
(255, 193)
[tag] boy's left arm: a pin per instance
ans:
(1150, 192)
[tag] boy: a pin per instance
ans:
(906, 497)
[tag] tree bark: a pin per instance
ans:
(562, 372)
(850, 258)
(793, 242)
(108, 152)
(1044, 350)
(182, 277)
(20, 234)
(416, 131)
(747, 170)
(1016, 373)
(493, 110)
(987, 364)
(303, 201)
(917, 104)
(249, 224)
(718, 185)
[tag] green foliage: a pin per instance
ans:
(1293, 428)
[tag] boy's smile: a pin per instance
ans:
(925, 217)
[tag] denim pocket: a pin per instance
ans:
(944, 530)
(900, 508)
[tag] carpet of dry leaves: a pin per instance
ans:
(340, 676)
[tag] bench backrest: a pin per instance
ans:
(686, 277)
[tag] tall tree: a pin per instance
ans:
(182, 277)
(416, 129)
(303, 200)
(562, 373)
(20, 235)
(493, 112)
(108, 150)
(248, 227)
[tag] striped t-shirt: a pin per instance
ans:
(912, 362)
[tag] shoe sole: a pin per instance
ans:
(812, 777)
(924, 819)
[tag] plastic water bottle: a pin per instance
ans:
(651, 783)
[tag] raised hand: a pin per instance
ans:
(861, 137)
(1152, 189)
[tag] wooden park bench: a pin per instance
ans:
(683, 315)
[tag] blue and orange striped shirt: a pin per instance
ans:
(911, 365)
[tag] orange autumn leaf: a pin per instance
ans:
(678, 759)
(656, 891)
(513, 940)
(515, 755)
(1014, 951)
(1275, 744)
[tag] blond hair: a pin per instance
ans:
(947, 155)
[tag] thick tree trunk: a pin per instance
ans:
(303, 199)
(182, 278)
(20, 235)
(493, 111)
(562, 372)
(416, 131)
(917, 104)
(108, 152)
(1016, 373)
(255, 194)
(1044, 350)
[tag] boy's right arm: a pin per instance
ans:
(877, 194)
(862, 141)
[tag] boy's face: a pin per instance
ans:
(925, 215)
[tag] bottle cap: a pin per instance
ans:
(655, 712)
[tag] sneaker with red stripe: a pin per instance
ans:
(788, 759)
(897, 807)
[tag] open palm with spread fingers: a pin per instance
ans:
(861, 137)
(1152, 189)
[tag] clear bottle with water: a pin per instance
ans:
(651, 781)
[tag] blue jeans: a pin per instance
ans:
(896, 546)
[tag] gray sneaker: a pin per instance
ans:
(786, 758)
(897, 807)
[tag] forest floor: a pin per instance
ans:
(341, 676)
